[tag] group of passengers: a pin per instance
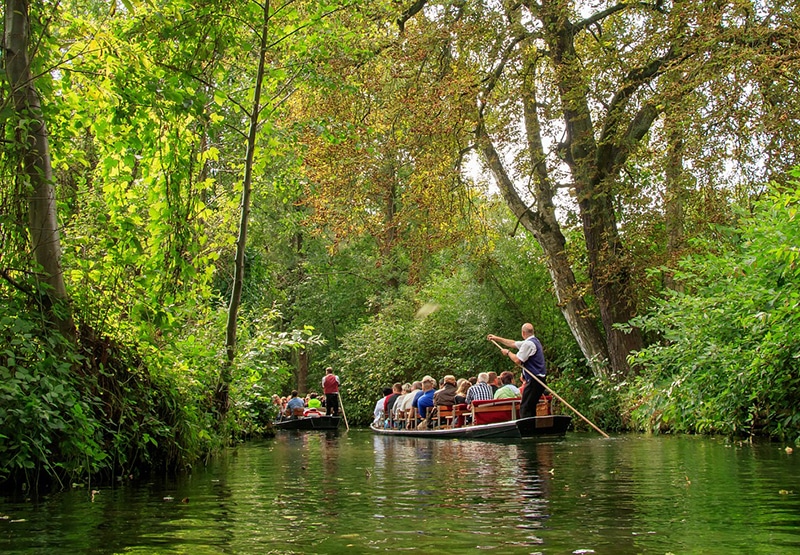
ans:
(312, 405)
(421, 398)
(285, 406)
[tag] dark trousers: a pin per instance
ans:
(332, 404)
(530, 396)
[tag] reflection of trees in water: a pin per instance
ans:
(330, 487)
(535, 466)
(477, 479)
(313, 493)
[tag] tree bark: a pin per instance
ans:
(675, 193)
(302, 372)
(594, 168)
(221, 396)
(36, 164)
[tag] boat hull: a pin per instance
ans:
(309, 423)
(535, 426)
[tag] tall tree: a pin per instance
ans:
(35, 162)
(590, 84)
(254, 117)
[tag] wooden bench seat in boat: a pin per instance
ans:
(502, 410)
(444, 416)
(495, 410)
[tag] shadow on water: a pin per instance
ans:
(354, 492)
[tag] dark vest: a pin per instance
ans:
(535, 365)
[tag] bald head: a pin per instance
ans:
(527, 330)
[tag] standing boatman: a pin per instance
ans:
(531, 358)
(330, 386)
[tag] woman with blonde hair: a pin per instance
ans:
(462, 386)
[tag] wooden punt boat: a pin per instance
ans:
(534, 426)
(308, 421)
(496, 419)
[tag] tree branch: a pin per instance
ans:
(412, 10)
(611, 154)
(491, 80)
(600, 16)
(4, 273)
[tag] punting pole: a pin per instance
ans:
(341, 406)
(557, 396)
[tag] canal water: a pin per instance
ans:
(353, 492)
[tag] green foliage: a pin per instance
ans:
(442, 328)
(729, 356)
(262, 368)
(47, 423)
(66, 414)
(601, 400)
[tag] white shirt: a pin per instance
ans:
(525, 349)
(408, 399)
(397, 404)
(378, 412)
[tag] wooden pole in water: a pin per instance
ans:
(341, 406)
(557, 396)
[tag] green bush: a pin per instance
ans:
(600, 399)
(47, 423)
(729, 356)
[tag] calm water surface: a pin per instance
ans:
(358, 493)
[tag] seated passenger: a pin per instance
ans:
(508, 389)
(398, 411)
(388, 407)
(313, 401)
(294, 402)
(278, 406)
(378, 413)
(481, 391)
(445, 397)
(416, 395)
(461, 391)
(492, 381)
(425, 400)
(407, 405)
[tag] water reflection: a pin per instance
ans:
(357, 493)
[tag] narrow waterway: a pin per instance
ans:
(352, 492)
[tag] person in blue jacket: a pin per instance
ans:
(425, 401)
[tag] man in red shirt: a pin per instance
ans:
(330, 386)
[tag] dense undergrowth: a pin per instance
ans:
(99, 409)
(728, 358)
(93, 408)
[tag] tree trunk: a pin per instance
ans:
(594, 167)
(36, 165)
(674, 196)
(302, 372)
(542, 223)
(221, 396)
(387, 242)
